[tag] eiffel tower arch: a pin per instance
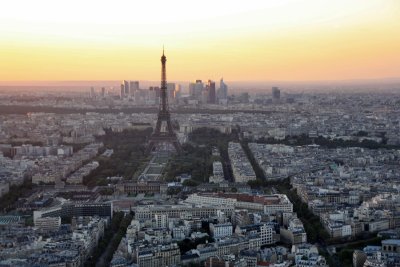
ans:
(163, 134)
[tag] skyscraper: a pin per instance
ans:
(154, 94)
(191, 89)
(171, 91)
(222, 93)
(178, 91)
(103, 91)
(276, 94)
(212, 99)
(137, 96)
(204, 95)
(122, 92)
(126, 87)
(133, 87)
(196, 89)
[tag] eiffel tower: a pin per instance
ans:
(163, 135)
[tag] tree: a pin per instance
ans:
(128, 157)
(361, 133)
(190, 182)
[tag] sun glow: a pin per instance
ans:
(243, 40)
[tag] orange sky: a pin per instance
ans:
(239, 40)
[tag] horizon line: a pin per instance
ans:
(4, 82)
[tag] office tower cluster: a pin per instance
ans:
(200, 92)
(207, 93)
(131, 91)
(94, 94)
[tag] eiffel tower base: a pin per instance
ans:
(157, 141)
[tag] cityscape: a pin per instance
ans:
(155, 169)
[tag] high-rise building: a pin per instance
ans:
(103, 91)
(158, 93)
(171, 91)
(138, 96)
(152, 96)
(178, 91)
(191, 89)
(276, 94)
(196, 89)
(126, 87)
(122, 92)
(223, 90)
(204, 95)
(133, 87)
(212, 99)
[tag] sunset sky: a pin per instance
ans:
(239, 40)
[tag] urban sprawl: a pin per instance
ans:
(299, 179)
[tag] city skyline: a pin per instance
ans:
(266, 133)
(268, 40)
